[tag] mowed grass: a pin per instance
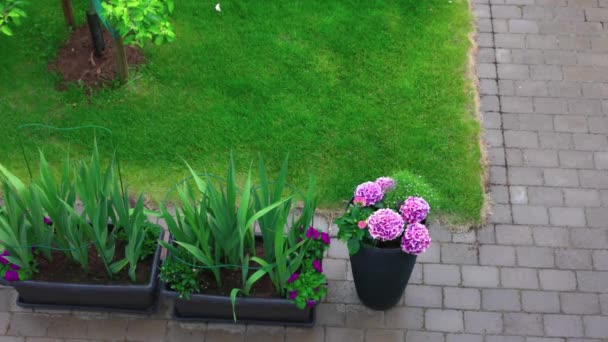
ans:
(351, 90)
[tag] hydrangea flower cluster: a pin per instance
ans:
(370, 192)
(416, 239)
(385, 225)
(386, 183)
(414, 209)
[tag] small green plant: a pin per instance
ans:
(408, 184)
(181, 277)
(11, 13)
(135, 22)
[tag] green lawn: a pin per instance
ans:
(352, 90)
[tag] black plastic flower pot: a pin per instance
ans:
(249, 310)
(381, 275)
(98, 297)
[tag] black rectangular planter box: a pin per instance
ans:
(128, 298)
(251, 310)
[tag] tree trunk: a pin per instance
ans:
(122, 67)
(68, 13)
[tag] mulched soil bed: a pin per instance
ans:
(76, 62)
(64, 270)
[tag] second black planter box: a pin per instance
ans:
(211, 308)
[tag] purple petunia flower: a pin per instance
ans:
(370, 191)
(316, 264)
(325, 238)
(385, 224)
(47, 221)
(312, 233)
(293, 294)
(2, 257)
(310, 303)
(11, 276)
(293, 278)
(414, 209)
(15, 267)
(386, 183)
(416, 239)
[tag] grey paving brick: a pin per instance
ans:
(486, 70)
(541, 41)
(574, 259)
(459, 253)
(596, 14)
(338, 250)
(519, 278)
(497, 255)
(488, 87)
(564, 89)
(601, 160)
(482, 11)
(463, 338)
(484, 25)
(334, 269)
(512, 104)
(485, 40)
(480, 276)
(556, 140)
(343, 334)
(432, 254)
(444, 320)
(596, 326)
(384, 335)
(515, 157)
(563, 325)
(561, 177)
(513, 235)
(575, 124)
(518, 194)
(525, 56)
(109, 329)
(557, 280)
(534, 215)
(263, 333)
(437, 274)
(404, 317)
(597, 217)
(523, 26)
(67, 326)
(423, 296)
(545, 196)
(580, 303)
(550, 236)
(535, 257)
(499, 194)
(424, 336)
(513, 71)
(585, 106)
(592, 281)
(595, 90)
(576, 159)
(569, 217)
(498, 338)
(331, 314)
(493, 137)
(25, 324)
(339, 291)
(500, 214)
(588, 238)
(574, 43)
(293, 334)
(604, 303)
(481, 322)
(594, 178)
(592, 59)
(540, 301)
(604, 197)
(507, 88)
(525, 176)
(558, 57)
(522, 139)
(531, 88)
(489, 103)
(507, 12)
(523, 324)
(550, 105)
(590, 142)
(461, 298)
(359, 316)
(546, 73)
(491, 120)
(536, 122)
(509, 40)
(500, 25)
(486, 235)
(501, 300)
(600, 260)
(541, 158)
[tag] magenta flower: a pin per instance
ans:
(385, 225)
(361, 224)
(47, 221)
(325, 238)
(310, 303)
(312, 233)
(11, 276)
(386, 183)
(414, 209)
(359, 200)
(416, 239)
(2, 257)
(15, 267)
(293, 294)
(293, 278)
(316, 264)
(370, 191)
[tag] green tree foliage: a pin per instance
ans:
(11, 13)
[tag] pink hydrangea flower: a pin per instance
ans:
(386, 183)
(416, 239)
(385, 225)
(370, 191)
(414, 209)
(361, 224)
(359, 201)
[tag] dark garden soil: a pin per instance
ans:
(63, 269)
(232, 279)
(76, 62)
